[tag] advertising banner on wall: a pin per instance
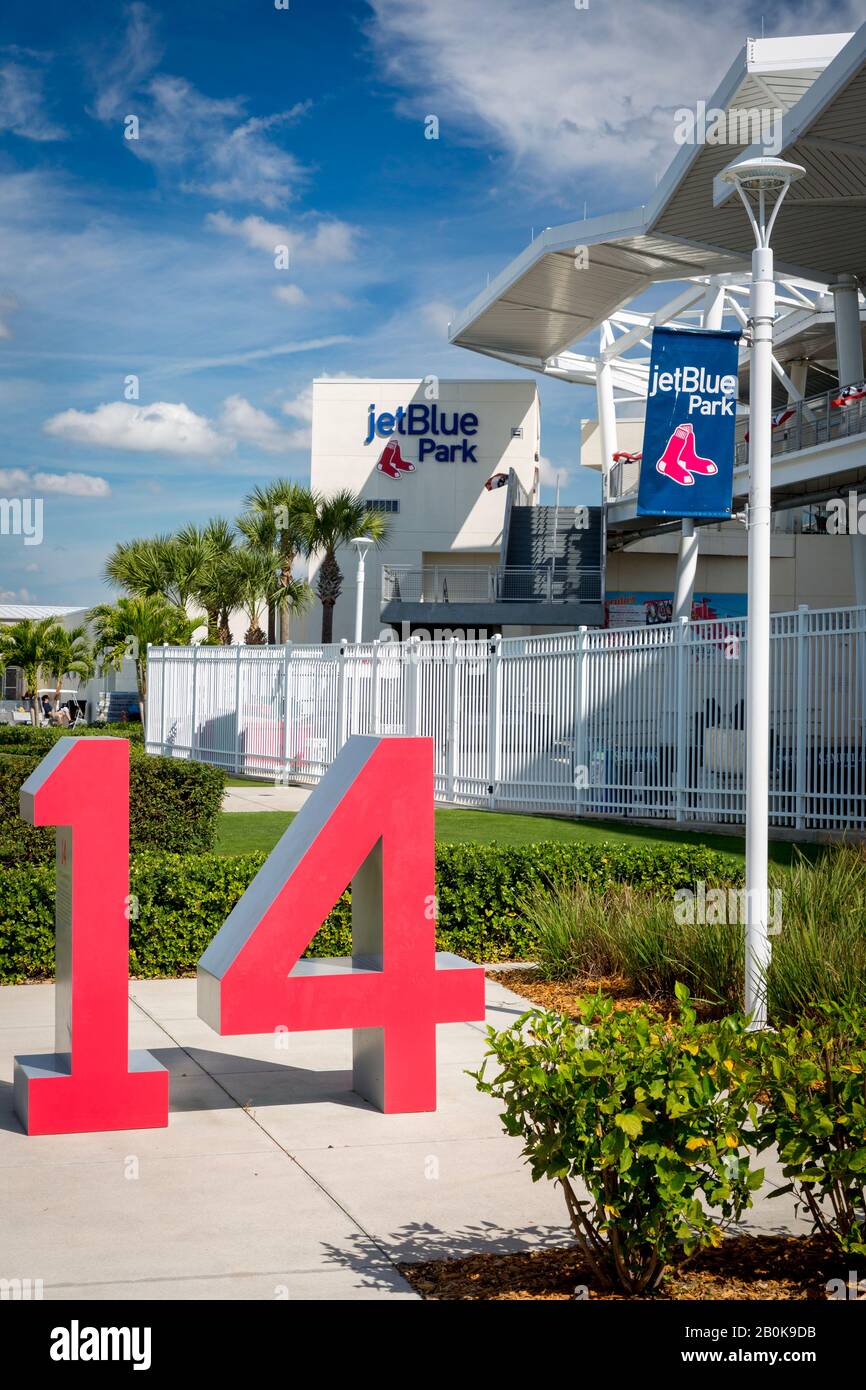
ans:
(688, 448)
(633, 609)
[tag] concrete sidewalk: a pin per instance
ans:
(273, 1179)
(264, 798)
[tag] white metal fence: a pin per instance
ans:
(643, 722)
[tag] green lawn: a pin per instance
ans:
(241, 832)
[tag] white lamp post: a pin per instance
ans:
(362, 544)
(762, 184)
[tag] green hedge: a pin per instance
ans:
(23, 738)
(183, 900)
(174, 806)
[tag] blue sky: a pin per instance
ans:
(260, 126)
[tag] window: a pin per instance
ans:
(383, 504)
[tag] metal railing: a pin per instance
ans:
(813, 421)
(545, 583)
(641, 722)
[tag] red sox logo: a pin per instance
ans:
(392, 461)
(680, 459)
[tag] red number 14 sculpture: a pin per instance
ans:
(369, 821)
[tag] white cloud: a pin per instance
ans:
(245, 422)
(301, 406)
(16, 596)
(331, 241)
(438, 316)
(292, 295)
(119, 72)
(15, 482)
(549, 473)
(566, 91)
(209, 145)
(72, 484)
(163, 427)
(22, 104)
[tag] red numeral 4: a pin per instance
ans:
(370, 820)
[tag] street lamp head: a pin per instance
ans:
(362, 544)
(765, 174)
(766, 180)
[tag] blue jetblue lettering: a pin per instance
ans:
(422, 420)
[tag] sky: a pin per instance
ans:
(155, 363)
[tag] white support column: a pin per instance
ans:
(763, 312)
(849, 359)
(849, 345)
(798, 371)
(687, 559)
(606, 408)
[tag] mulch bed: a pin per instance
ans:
(744, 1267)
(561, 996)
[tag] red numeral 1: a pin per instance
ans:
(91, 1081)
(370, 820)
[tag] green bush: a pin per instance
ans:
(174, 806)
(814, 1111)
(591, 932)
(484, 891)
(820, 953)
(25, 739)
(184, 899)
(648, 1114)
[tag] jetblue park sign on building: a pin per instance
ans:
(430, 426)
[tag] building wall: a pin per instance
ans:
(815, 570)
(445, 510)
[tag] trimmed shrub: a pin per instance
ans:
(25, 739)
(814, 1112)
(648, 1114)
(174, 805)
(183, 900)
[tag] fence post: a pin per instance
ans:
(193, 714)
(237, 711)
(411, 675)
(374, 689)
(802, 711)
(681, 633)
(580, 769)
(342, 703)
(453, 716)
(288, 707)
(494, 717)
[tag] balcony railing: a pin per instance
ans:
(812, 421)
(452, 584)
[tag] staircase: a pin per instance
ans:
(556, 550)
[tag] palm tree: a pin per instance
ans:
(167, 565)
(278, 519)
(337, 521)
(68, 653)
(26, 644)
(257, 586)
(214, 588)
(125, 628)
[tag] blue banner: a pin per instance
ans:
(688, 445)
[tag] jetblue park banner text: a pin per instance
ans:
(688, 446)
